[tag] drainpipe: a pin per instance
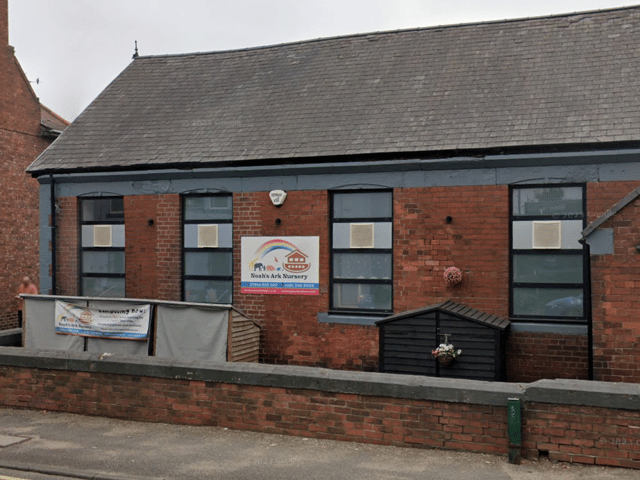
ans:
(589, 314)
(53, 233)
(587, 306)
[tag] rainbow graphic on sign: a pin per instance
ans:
(280, 265)
(268, 247)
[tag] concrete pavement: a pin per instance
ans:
(74, 446)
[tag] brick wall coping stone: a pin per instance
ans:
(565, 392)
(624, 396)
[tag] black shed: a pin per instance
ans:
(407, 340)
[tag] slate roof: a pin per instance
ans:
(567, 80)
(456, 309)
(52, 123)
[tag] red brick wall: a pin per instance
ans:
(309, 413)
(534, 356)
(153, 252)
(476, 241)
(247, 220)
(590, 435)
(168, 225)
(615, 283)
(19, 219)
(4, 23)
(67, 246)
(20, 144)
(140, 246)
(424, 245)
(291, 330)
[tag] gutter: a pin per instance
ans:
(354, 164)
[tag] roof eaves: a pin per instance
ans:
(435, 159)
(49, 132)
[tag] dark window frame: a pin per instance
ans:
(186, 250)
(118, 219)
(584, 286)
(332, 280)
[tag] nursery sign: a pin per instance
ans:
(280, 265)
(124, 323)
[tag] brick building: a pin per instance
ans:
(26, 129)
(494, 147)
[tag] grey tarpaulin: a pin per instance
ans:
(137, 348)
(40, 328)
(192, 333)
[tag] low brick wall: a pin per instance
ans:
(571, 420)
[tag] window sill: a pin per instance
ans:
(345, 319)
(558, 328)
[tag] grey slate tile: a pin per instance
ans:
(567, 79)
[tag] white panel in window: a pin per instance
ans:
(547, 234)
(102, 236)
(361, 235)
(87, 235)
(117, 235)
(225, 235)
(571, 234)
(382, 232)
(207, 236)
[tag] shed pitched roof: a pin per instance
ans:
(456, 309)
(561, 80)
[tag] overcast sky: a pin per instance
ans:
(77, 47)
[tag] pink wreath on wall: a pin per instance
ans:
(453, 276)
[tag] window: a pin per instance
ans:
(361, 251)
(547, 261)
(102, 247)
(207, 249)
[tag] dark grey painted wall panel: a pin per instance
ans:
(460, 171)
(548, 174)
(601, 242)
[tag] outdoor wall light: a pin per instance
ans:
(449, 219)
(277, 197)
(150, 222)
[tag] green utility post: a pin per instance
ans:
(515, 430)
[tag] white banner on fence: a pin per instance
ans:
(123, 323)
